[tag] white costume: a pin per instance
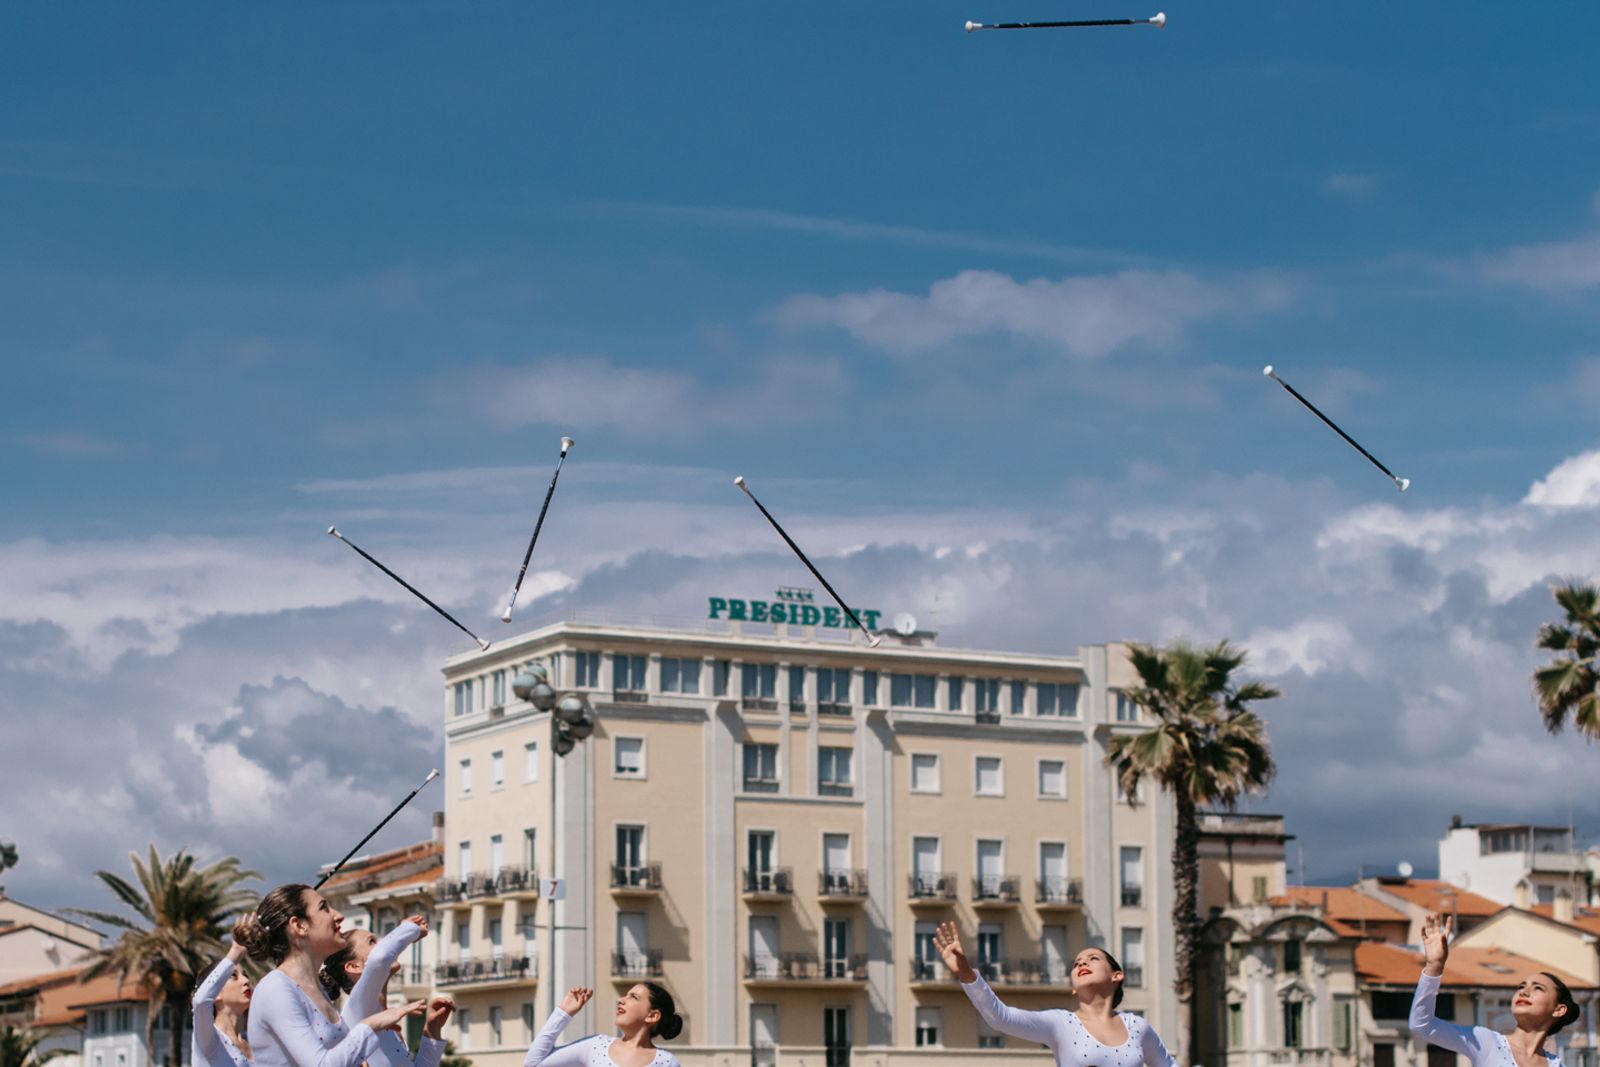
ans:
(208, 1046)
(1062, 1032)
(366, 1000)
(287, 1029)
(590, 1052)
(1483, 1046)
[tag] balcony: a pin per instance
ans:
(632, 964)
(831, 708)
(1023, 973)
(760, 784)
(804, 969)
(929, 972)
(643, 880)
(987, 718)
(1301, 1057)
(629, 696)
(996, 891)
(1058, 893)
(797, 708)
(1132, 896)
(495, 971)
(758, 704)
(842, 886)
(932, 890)
(768, 884)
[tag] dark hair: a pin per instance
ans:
(671, 1024)
(1564, 998)
(205, 972)
(265, 935)
(333, 976)
(1116, 995)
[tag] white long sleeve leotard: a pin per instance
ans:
(590, 1052)
(208, 1046)
(1062, 1032)
(1483, 1046)
(366, 1000)
(288, 1030)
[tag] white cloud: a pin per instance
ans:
(1553, 266)
(1574, 483)
(1355, 187)
(1087, 316)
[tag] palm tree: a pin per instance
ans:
(1207, 748)
(1567, 685)
(182, 912)
(19, 1047)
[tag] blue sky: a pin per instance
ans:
(982, 315)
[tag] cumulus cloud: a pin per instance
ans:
(1567, 265)
(1087, 316)
(1574, 483)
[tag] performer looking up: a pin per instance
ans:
(1542, 1006)
(221, 1007)
(1096, 1035)
(645, 1012)
(363, 969)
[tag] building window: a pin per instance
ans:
(1132, 957)
(836, 948)
(464, 858)
(990, 957)
(1382, 1054)
(1132, 865)
(760, 768)
(989, 776)
(497, 854)
(720, 670)
(628, 673)
(465, 777)
(1258, 889)
(497, 938)
(464, 698)
(1292, 1035)
(758, 685)
(797, 688)
(588, 664)
(530, 848)
(630, 855)
(463, 938)
(1291, 957)
(833, 686)
(1057, 700)
(986, 695)
(833, 772)
(124, 1020)
(494, 1026)
(761, 847)
(497, 768)
(1127, 710)
(913, 690)
(924, 772)
(530, 761)
(1344, 1014)
(929, 1022)
(499, 681)
(836, 1037)
(1019, 698)
(680, 676)
(464, 1029)
(1235, 1025)
(956, 694)
(1053, 778)
(869, 688)
(528, 1031)
(989, 1037)
(629, 757)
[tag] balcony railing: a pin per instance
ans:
(804, 967)
(772, 881)
(928, 970)
(836, 1056)
(760, 784)
(841, 884)
(763, 1055)
(1300, 1057)
(987, 718)
(828, 707)
(1059, 891)
(1022, 972)
(489, 969)
(1132, 896)
(636, 964)
(996, 889)
(759, 704)
(797, 707)
(630, 696)
(835, 788)
(933, 887)
(486, 884)
(644, 878)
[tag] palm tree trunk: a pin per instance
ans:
(1185, 919)
(175, 1033)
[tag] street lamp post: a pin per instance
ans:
(571, 721)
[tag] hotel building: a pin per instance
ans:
(771, 819)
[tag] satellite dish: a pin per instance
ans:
(1405, 869)
(905, 624)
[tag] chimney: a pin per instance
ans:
(1522, 895)
(1455, 822)
(1561, 910)
(438, 828)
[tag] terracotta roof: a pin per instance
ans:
(39, 981)
(432, 874)
(107, 989)
(373, 867)
(1341, 903)
(1470, 968)
(1437, 895)
(1587, 919)
(65, 1005)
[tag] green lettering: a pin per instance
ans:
(870, 618)
(758, 611)
(777, 613)
(718, 606)
(809, 615)
(736, 609)
(830, 616)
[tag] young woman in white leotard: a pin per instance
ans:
(644, 1013)
(1541, 1006)
(221, 1004)
(292, 1022)
(1096, 1035)
(363, 969)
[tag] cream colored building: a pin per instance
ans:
(771, 824)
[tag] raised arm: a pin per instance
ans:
(543, 1050)
(278, 1015)
(1037, 1026)
(367, 996)
(1154, 1052)
(207, 1042)
(1467, 1040)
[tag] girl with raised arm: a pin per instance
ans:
(645, 1012)
(1096, 1035)
(292, 1022)
(362, 968)
(221, 1004)
(1542, 1006)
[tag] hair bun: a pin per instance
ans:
(670, 1027)
(250, 935)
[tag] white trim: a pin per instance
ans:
(644, 766)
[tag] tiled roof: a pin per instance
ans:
(66, 1004)
(1341, 904)
(1587, 919)
(372, 868)
(39, 981)
(1468, 968)
(107, 989)
(1437, 895)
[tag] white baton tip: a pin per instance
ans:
(1160, 21)
(1402, 484)
(873, 640)
(739, 481)
(484, 645)
(505, 616)
(1267, 370)
(431, 776)
(973, 25)
(566, 443)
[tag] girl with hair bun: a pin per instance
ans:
(644, 1014)
(292, 1022)
(1096, 1035)
(221, 1011)
(363, 969)
(1542, 1007)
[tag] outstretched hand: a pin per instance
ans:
(389, 1018)
(439, 1009)
(575, 999)
(1436, 930)
(947, 939)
